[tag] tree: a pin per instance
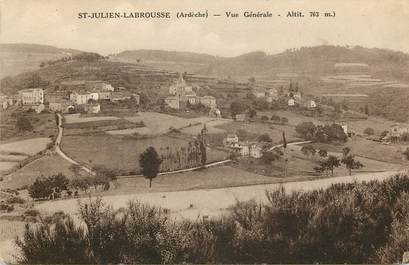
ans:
(236, 108)
(268, 157)
(308, 149)
(322, 153)
(328, 165)
(284, 120)
(150, 162)
(23, 124)
(252, 113)
(265, 137)
(350, 163)
(331, 163)
(369, 131)
(252, 80)
(306, 130)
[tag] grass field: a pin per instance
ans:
(258, 128)
(45, 166)
(29, 146)
(158, 123)
(369, 149)
(78, 118)
(214, 177)
(121, 153)
(43, 125)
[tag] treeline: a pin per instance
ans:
(391, 103)
(345, 223)
(321, 133)
(55, 186)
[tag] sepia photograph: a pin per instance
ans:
(204, 132)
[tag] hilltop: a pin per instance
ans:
(323, 59)
(16, 58)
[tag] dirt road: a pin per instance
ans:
(195, 204)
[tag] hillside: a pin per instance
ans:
(16, 58)
(314, 60)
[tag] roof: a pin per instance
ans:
(29, 90)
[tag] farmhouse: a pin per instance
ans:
(31, 96)
(256, 150)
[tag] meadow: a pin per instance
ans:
(122, 153)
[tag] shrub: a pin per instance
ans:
(15, 200)
(32, 212)
(369, 131)
(344, 223)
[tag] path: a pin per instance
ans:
(193, 204)
(288, 144)
(60, 152)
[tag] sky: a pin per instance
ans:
(368, 23)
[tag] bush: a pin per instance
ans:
(6, 207)
(32, 212)
(15, 200)
(369, 131)
(344, 223)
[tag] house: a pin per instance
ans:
(121, 95)
(104, 95)
(215, 113)
(297, 95)
(99, 86)
(244, 149)
(312, 104)
(208, 101)
(31, 96)
(82, 97)
(291, 102)
(92, 108)
(396, 131)
(344, 127)
(231, 139)
(256, 150)
(38, 108)
(272, 93)
(5, 101)
(192, 99)
(60, 105)
(173, 102)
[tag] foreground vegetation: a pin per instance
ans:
(346, 223)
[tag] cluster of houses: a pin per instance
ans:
(85, 95)
(294, 98)
(181, 95)
(396, 133)
(244, 149)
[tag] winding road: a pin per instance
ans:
(60, 152)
